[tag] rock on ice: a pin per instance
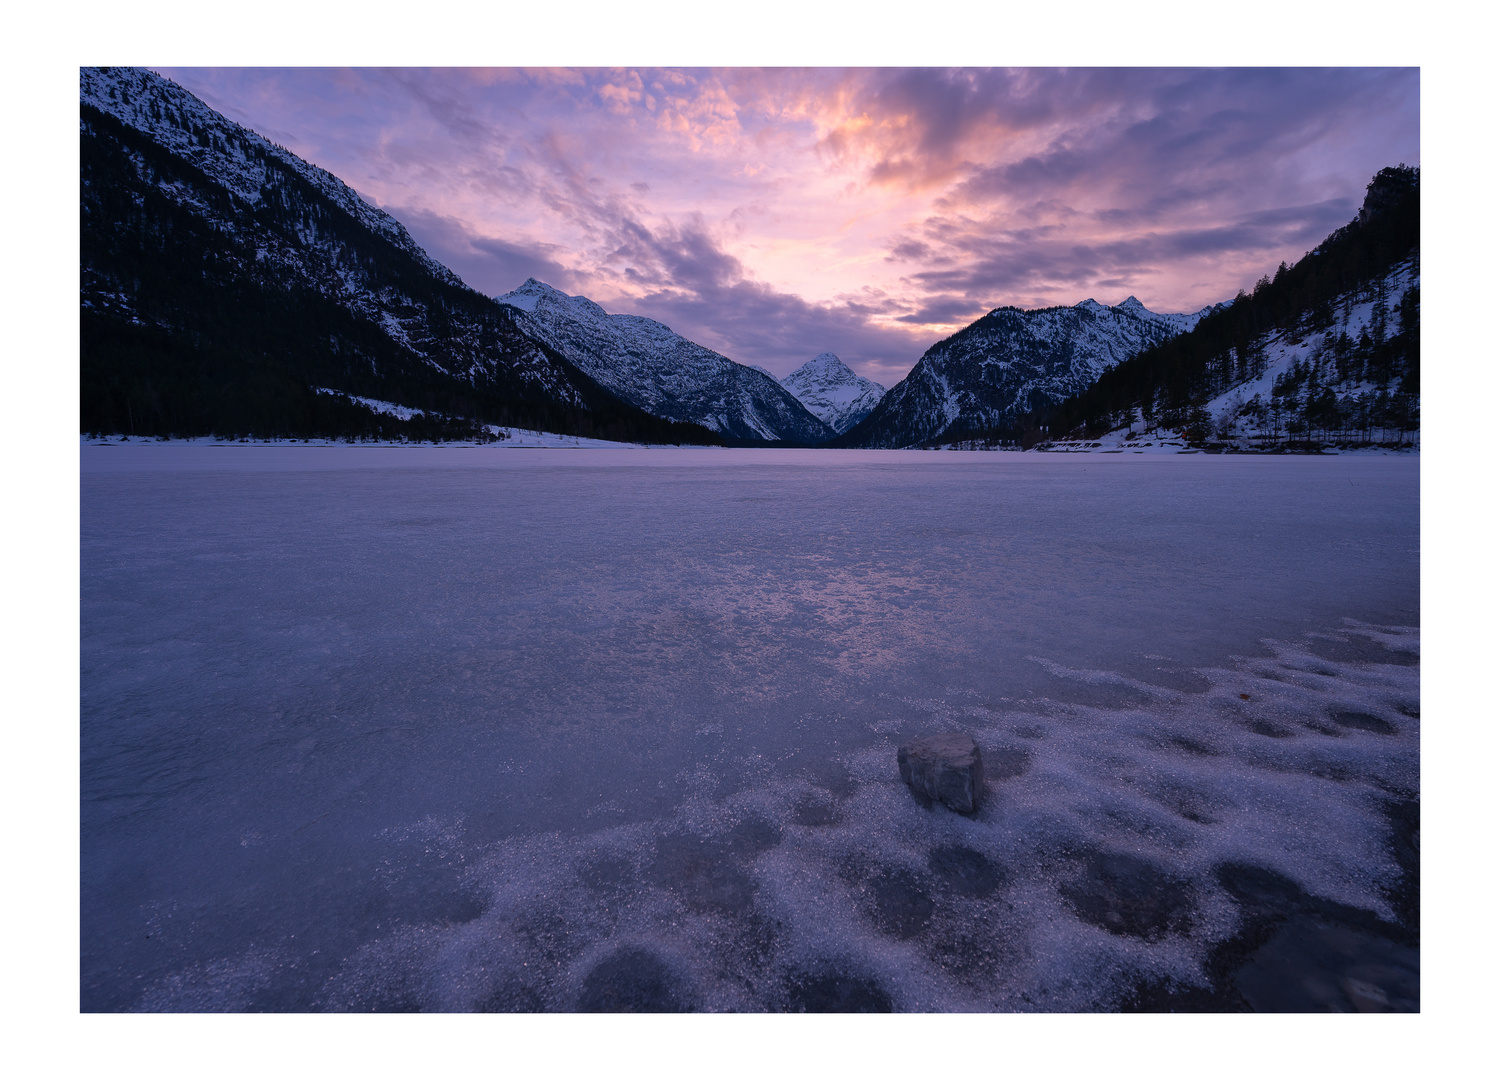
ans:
(945, 768)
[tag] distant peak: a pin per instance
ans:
(530, 292)
(826, 361)
(825, 364)
(526, 295)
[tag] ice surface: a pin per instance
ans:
(510, 438)
(463, 728)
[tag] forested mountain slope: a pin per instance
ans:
(225, 282)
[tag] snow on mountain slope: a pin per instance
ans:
(832, 392)
(1008, 363)
(1330, 379)
(646, 364)
(232, 156)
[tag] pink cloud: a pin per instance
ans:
(774, 214)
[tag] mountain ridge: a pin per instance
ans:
(223, 280)
(645, 363)
(1006, 364)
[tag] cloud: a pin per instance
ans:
(774, 214)
(490, 265)
(691, 284)
(909, 251)
(945, 310)
(445, 102)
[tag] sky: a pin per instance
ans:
(774, 214)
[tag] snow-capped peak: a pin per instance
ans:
(527, 295)
(832, 392)
(827, 365)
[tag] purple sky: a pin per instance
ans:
(775, 214)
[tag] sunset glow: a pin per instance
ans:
(776, 214)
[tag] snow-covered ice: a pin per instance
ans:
(469, 728)
(509, 438)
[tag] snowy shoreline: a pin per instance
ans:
(531, 440)
(205, 455)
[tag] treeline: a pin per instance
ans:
(202, 315)
(133, 384)
(149, 381)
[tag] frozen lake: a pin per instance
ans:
(500, 729)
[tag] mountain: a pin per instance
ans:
(646, 364)
(226, 283)
(1325, 351)
(1008, 364)
(833, 393)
